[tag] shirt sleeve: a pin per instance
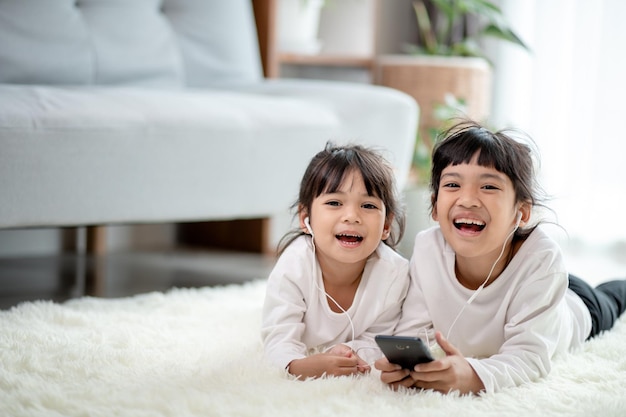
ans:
(282, 324)
(532, 335)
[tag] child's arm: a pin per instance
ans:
(338, 361)
(537, 327)
(282, 325)
(283, 330)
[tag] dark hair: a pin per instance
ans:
(326, 172)
(498, 150)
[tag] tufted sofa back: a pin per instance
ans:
(155, 43)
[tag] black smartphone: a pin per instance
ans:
(403, 350)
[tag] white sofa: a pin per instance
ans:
(143, 111)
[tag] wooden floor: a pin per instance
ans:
(60, 278)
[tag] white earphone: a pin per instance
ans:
(307, 223)
(479, 289)
(518, 220)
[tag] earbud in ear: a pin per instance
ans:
(519, 219)
(308, 225)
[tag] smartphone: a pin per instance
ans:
(403, 350)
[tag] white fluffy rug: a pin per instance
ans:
(196, 352)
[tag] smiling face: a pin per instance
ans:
(476, 209)
(348, 224)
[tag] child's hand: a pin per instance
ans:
(338, 361)
(343, 350)
(393, 374)
(451, 373)
(339, 350)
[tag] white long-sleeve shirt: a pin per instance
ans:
(514, 327)
(297, 319)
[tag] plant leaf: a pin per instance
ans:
(504, 34)
(425, 27)
(479, 7)
(469, 47)
(438, 41)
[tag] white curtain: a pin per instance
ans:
(568, 93)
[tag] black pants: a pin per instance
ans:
(606, 302)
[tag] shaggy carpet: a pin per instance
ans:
(197, 352)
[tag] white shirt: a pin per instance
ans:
(515, 325)
(298, 321)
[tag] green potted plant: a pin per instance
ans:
(447, 61)
(455, 27)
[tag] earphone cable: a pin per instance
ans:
(479, 289)
(328, 295)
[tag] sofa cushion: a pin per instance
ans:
(44, 42)
(132, 43)
(98, 155)
(156, 43)
(217, 41)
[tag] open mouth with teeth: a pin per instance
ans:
(349, 239)
(469, 225)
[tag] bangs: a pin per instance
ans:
(490, 150)
(340, 166)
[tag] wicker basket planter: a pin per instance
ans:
(429, 78)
